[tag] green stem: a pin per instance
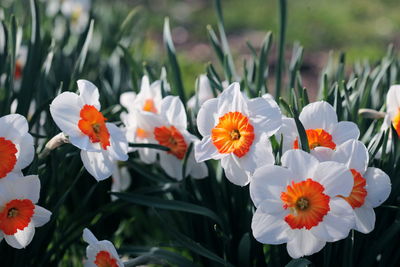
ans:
(281, 52)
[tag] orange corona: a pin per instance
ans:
(396, 122)
(105, 259)
(307, 204)
(173, 139)
(316, 138)
(93, 124)
(149, 106)
(8, 157)
(16, 215)
(233, 134)
(358, 194)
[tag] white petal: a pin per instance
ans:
(260, 154)
(206, 117)
(265, 115)
(336, 178)
(302, 164)
(322, 153)
(65, 110)
(303, 243)
(205, 150)
(98, 164)
(41, 216)
(233, 171)
(147, 155)
(26, 152)
(337, 223)
(12, 125)
(289, 133)
(83, 142)
(231, 100)
(269, 229)
(345, 130)
(127, 99)
(21, 238)
(171, 165)
(353, 154)
(173, 109)
(318, 115)
(89, 237)
(88, 93)
(378, 186)
(27, 187)
(393, 100)
(364, 219)
(196, 170)
(118, 148)
(268, 182)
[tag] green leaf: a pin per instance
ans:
(153, 146)
(262, 64)
(302, 262)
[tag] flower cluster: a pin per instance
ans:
(312, 198)
(19, 214)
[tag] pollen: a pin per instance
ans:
(233, 134)
(317, 138)
(8, 158)
(358, 194)
(149, 106)
(93, 125)
(16, 215)
(105, 259)
(306, 202)
(173, 139)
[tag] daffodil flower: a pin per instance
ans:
(16, 145)
(298, 203)
(79, 117)
(323, 130)
(236, 131)
(100, 253)
(371, 185)
(18, 213)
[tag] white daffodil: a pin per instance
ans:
(170, 130)
(78, 13)
(297, 204)
(18, 213)
(323, 130)
(236, 130)
(16, 144)
(100, 253)
(148, 99)
(371, 185)
(393, 108)
(79, 117)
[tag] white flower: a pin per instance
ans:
(323, 130)
(170, 130)
(78, 13)
(100, 253)
(393, 107)
(236, 130)
(371, 185)
(147, 101)
(298, 205)
(101, 143)
(16, 144)
(18, 213)
(121, 180)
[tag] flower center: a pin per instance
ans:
(16, 215)
(8, 157)
(141, 133)
(149, 106)
(173, 139)
(306, 202)
(92, 123)
(233, 134)
(396, 122)
(358, 194)
(105, 259)
(316, 138)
